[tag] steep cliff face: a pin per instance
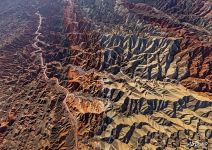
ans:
(105, 74)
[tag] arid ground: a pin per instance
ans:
(105, 74)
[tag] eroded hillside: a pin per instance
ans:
(106, 74)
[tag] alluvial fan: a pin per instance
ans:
(106, 74)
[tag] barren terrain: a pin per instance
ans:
(105, 74)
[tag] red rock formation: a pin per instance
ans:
(106, 74)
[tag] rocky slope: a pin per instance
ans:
(154, 61)
(106, 74)
(32, 113)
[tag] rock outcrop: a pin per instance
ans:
(154, 60)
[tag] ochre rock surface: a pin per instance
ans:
(105, 74)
